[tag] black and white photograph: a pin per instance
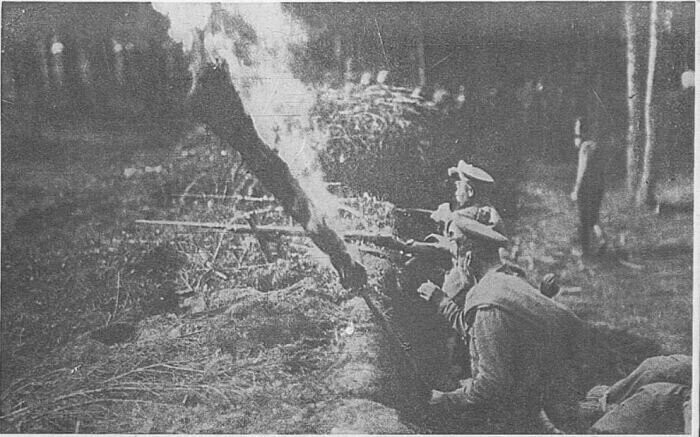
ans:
(348, 218)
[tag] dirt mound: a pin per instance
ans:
(361, 416)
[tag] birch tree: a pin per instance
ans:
(633, 113)
(645, 191)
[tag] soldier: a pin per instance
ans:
(653, 399)
(522, 343)
(466, 202)
(589, 186)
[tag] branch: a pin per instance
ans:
(230, 227)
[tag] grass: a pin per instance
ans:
(654, 301)
(206, 335)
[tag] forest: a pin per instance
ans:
(209, 210)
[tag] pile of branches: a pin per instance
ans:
(388, 141)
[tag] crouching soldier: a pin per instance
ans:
(653, 399)
(522, 344)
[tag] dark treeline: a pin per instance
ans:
(542, 60)
(534, 62)
(88, 60)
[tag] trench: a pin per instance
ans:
(377, 370)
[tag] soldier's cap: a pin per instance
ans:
(472, 228)
(467, 171)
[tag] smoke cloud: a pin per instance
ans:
(254, 40)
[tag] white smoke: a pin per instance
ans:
(184, 19)
(278, 102)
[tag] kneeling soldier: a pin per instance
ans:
(521, 343)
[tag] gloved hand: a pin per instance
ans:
(574, 195)
(443, 214)
(436, 397)
(427, 290)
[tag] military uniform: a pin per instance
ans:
(653, 399)
(522, 347)
(466, 203)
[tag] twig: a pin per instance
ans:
(229, 197)
(222, 394)
(140, 369)
(192, 334)
(116, 304)
(292, 287)
(381, 41)
(630, 265)
(218, 247)
(14, 413)
(240, 229)
(255, 266)
(192, 184)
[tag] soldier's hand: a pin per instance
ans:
(427, 290)
(436, 397)
(574, 195)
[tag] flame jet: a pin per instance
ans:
(224, 48)
(238, 52)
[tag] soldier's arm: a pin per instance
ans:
(456, 283)
(454, 314)
(490, 347)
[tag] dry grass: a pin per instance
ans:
(209, 335)
(199, 325)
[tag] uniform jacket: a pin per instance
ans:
(522, 346)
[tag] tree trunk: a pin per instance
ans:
(420, 59)
(119, 63)
(44, 80)
(58, 69)
(633, 113)
(9, 88)
(645, 192)
(338, 52)
(85, 74)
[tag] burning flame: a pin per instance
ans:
(254, 40)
